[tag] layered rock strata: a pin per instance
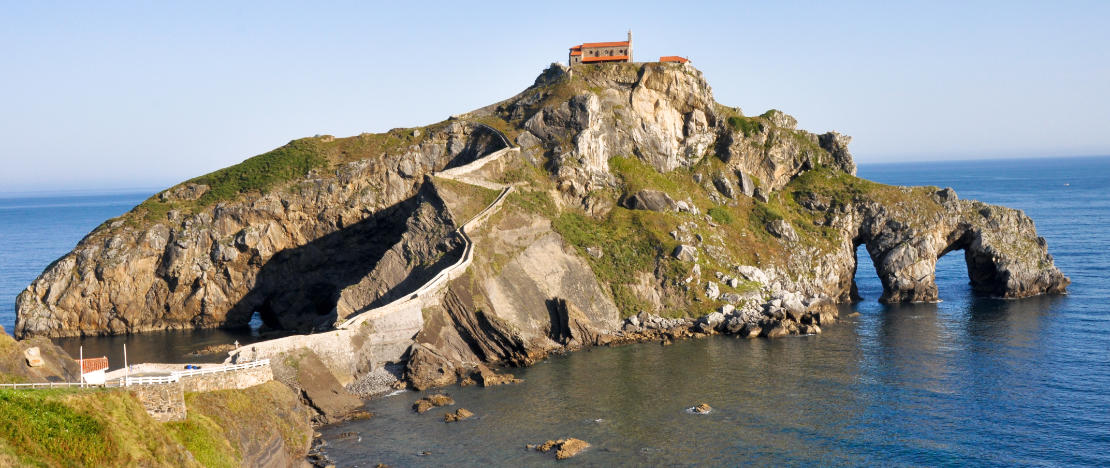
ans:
(635, 194)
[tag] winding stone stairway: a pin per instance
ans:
(372, 337)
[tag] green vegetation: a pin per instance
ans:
(720, 215)
(205, 440)
(747, 125)
(464, 200)
(108, 427)
(250, 415)
(532, 201)
(631, 242)
(82, 427)
(43, 430)
(637, 175)
(263, 172)
(269, 171)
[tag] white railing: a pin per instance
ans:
(448, 273)
(36, 385)
(148, 380)
(145, 380)
(216, 370)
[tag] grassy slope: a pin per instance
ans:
(274, 169)
(83, 428)
(87, 427)
(464, 200)
(639, 241)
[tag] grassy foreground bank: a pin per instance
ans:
(108, 427)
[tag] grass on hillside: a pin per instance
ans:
(464, 200)
(82, 427)
(273, 169)
(42, 430)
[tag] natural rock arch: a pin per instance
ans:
(1003, 254)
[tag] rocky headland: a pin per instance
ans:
(641, 209)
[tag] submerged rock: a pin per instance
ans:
(564, 448)
(459, 415)
(432, 401)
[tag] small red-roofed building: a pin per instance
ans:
(601, 52)
(673, 59)
(93, 369)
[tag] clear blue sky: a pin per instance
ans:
(144, 94)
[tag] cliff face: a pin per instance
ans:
(635, 193)
(190, 257)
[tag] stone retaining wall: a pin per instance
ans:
(164, 402)
(237, 379)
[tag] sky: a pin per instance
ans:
(108, 95)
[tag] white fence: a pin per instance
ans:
(146, 380)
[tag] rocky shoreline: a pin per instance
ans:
(635, 208)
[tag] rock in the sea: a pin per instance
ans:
(431, 401)
(459, 415)
(564, 448)
(703, 408)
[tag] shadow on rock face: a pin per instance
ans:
(299, 288)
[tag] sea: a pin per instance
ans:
(969, 381)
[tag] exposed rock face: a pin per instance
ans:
(652, 200)
(702, 190)
(318, 388)
(289, 255)
(1004, 256)
(35, 360)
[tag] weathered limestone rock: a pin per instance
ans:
(724, 185)
(366, 229)
(33, 357)
(783, 230)
(285, 254)
(564, 448)
(16, 360)
(747, 187)
(686, 253)
(304, 372)
(459, 415)
(432, 401)
(185, 192)
(652, 200)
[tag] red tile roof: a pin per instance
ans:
(575, 52)
(93, 364)
(673, 58)
(605, 44)
(605, 58)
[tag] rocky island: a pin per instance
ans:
(614, 203)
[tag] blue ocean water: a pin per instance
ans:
(970, 381)
(37, 229)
